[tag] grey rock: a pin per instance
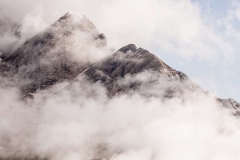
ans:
(130, 60)
(45, 59)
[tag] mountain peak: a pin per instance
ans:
(148, 60)
(75, 22)
(65, 16)
(56, 54)
(129, 47)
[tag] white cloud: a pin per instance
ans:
(231, 22)
(74, 125)
(82, 122)
(175, 26)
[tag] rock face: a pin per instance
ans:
(50, 58)
(130, 61)
(47, 58)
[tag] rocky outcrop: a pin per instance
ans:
(130, 61)
(48, 57)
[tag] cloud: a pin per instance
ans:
(230, 23)
(81, 122)
(176, 27)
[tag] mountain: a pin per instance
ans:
(9, 35)
(95, 105)
(49, 58)
(46, 58)
(131, 60)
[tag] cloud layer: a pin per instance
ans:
(174, 26)
(81, 122)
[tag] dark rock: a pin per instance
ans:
(129, 60)
(44, 60)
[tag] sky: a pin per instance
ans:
(197, 37)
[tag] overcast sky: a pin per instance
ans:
(198, 37)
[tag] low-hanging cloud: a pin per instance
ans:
(82, 122)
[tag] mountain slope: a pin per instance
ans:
(130, 61)
(47, 58)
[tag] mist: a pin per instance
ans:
(174, 26)
(82, 122)
(76, 119)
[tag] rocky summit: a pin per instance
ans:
(46, 59)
